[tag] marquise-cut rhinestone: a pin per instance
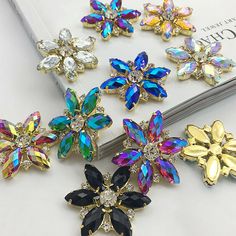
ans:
(108, 198)
(84, 44)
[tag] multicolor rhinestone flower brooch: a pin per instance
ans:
(213, 149)
(167, 20)
(199, 61)
(67, 55)
(135, 81)
(149, 152)
(79, 126)
(111, 19)
(23, 145)
(107, 202)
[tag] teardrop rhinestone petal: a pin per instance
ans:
(114, 83)
(97, 5)
(11, 165)
(5, 146)
(66, 145)
(132, 96)
(92, 221)
(116, 4)
(81, 197)
(86, 146)
(177, 54)
(47, 46)
(32, 122)
(213, 48)
(145, 177)
(155, 126)
(120, 178)
(94, 177)
(92, 19)
(154, 9)
(120, 66)
(157, 73)
(134, 200)
(91, 100)
(72, 102)
(167, 30)
(107, 28)
(86, 58)
(211, 73)
(184, 11)
(69, 64)
(154, 89)
(186, 69)
(129, 14)
(222, 62)
(124, 25)
(168, 5)
(99, 121)
(134, 131)
(150, 21)
(185, 25)
(127, 157)
(167, 171)
(59, 123)
(7, 129)
(192, 45)
(49, 63)
(38, 158)
(141, 61)
(172, 145)
(45, 138)
(65, 35)
(84, 44)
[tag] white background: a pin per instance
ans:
(33, 203)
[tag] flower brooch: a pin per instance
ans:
(78, 127)
(67, 55)
(107, 202)
(199, 61)
(149, 151)
(135, 81)
(167, 20)
(213, 149)
(23, 145)
(111, 19)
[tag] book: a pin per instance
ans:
(44, 19)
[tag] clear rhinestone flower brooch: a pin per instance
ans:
(24, 145)
(78, 127)
(67, 55)
(149, 152)
(107, 202)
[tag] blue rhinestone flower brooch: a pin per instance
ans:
(111, 19)
(135, 81)
(78, 127)
(107, 202)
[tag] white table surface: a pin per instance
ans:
(33, 203)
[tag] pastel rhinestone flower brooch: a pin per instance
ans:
(107, 203)
(167, 20)
(111, 19)
(24, 145)
(135, 81)
(67, 55)
(199, 61)
(213, 149)
(78, 127)
(149, 152)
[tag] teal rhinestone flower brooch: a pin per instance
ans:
(135, 81)
(196, 60)
(24, 145)
(110, 19)
(107, 202)
(78, 127)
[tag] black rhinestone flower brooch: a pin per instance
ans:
(108, 202)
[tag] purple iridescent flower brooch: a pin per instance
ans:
(111, 19)
(149, 152)
(107, 202)
(135, 81)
